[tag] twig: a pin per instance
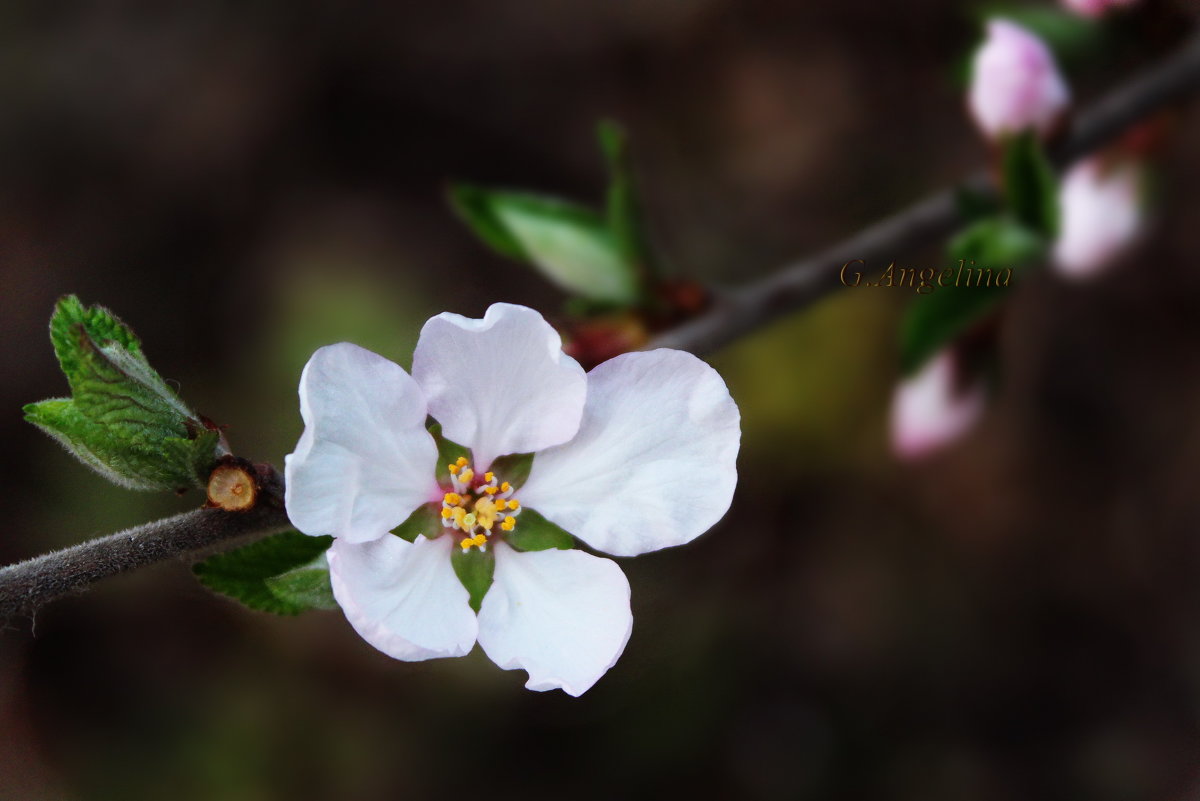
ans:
(26, 586)
(742, 310)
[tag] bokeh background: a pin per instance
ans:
(1016, 618)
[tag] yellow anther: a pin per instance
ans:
(485, 512)
(446, 512)
(467, 475)
(467, 543)
(479, 539)
(490, 490)
(505, 487)
(459, 514)
(452, 498)
(514, 504)
(462, 461)
(489, 477)
(509, 523)
(453, 468)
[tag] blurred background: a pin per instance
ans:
(1015, 618)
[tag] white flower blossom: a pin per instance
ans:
(930, 410)
(1015, 83)
(1101, 215)
(637, 455)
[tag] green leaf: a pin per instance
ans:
(986, 249)
(513, 468)
(122, 419)
(625, 217)
(243, 574)
(305, 587)
(569, 244)
(536, 533)
(427, 520)
(449, 452)
(1030, 186)
(474, 569)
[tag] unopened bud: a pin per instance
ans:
(1015, 85)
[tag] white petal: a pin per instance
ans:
(365, 460)
(930, 410)
(654, 462)
(1101, 215)
(501, 384)
(563, 616)
(403, 598)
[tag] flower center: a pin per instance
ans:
(478, 504)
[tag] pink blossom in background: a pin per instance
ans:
(1095, 8)
(1101, 214)
(1015, 83)
(930, 409)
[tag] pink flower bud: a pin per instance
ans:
(933, 408)
(1095, 8)
(1100, 215)
(1015, 83)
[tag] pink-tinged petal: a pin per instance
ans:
(654, 462)
(1095, 8)
(501, 384)
(1100, 216)
(403, 598)
(563, 616)
(365, 460)
(1015, 83)
(931, 410)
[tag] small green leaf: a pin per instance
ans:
(427, 520)
(536, 533)
(474, 569)
(987, 250)
(569, 244)
(305, 587)
(449, 452)
(513, 468)
(1030, 186)
(625, 217)
(122, 419)
(243, 574)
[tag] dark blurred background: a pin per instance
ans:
(1017, 618)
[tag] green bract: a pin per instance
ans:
(285, 574)
(122, 419)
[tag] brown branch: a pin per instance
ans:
(26, 586)
(739, 311)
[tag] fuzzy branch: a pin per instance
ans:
(739, 311)
(26, 586)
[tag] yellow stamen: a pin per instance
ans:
(505, 487)
(489, 477)
(514, 504)
(466, 476)
(509, 523)
(462, 461)
(467, 543)
(490, 490)
(446, 512)
(452, 498)
(485, 512)
(453, 468)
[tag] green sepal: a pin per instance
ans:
(474, 569)
(536, 533)
(448, 452)
(305, 587)
(934, 320)
(122, 419)
(570, 244)
(513, 468)
(244, 574)
(1030, 187)
(427, 520)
